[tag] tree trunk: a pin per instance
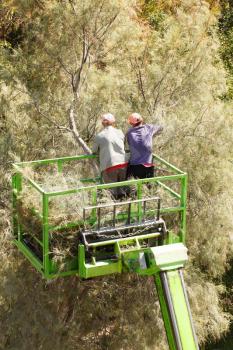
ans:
(80, 141)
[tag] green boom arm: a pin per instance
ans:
(175, 310)
(173, 297)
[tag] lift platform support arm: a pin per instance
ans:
(173, 296)
(165, 264)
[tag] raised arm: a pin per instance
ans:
(157, 129)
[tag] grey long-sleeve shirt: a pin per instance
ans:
(110, 145)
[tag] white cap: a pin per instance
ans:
(108, 117)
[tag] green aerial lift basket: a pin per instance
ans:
(143, 233)
(37, 248)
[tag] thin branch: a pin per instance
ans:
(60, 127)
(107, 26)
(73, 7)
(76, 78)
(64, 66)
(199, 120)
(140, 83)
(98, 15)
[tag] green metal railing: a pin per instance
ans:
(93, 186)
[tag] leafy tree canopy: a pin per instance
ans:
(71, 61)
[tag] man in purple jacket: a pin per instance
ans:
(139, 138)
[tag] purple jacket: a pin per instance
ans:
(139, 139)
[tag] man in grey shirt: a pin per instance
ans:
(109, 143)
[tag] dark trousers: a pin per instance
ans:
(140, 171)
(116, 176)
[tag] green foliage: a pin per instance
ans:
(153, 13)
(226, 37)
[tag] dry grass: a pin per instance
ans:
(63, 210)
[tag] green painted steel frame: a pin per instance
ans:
(180, 335)
(46, 267)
